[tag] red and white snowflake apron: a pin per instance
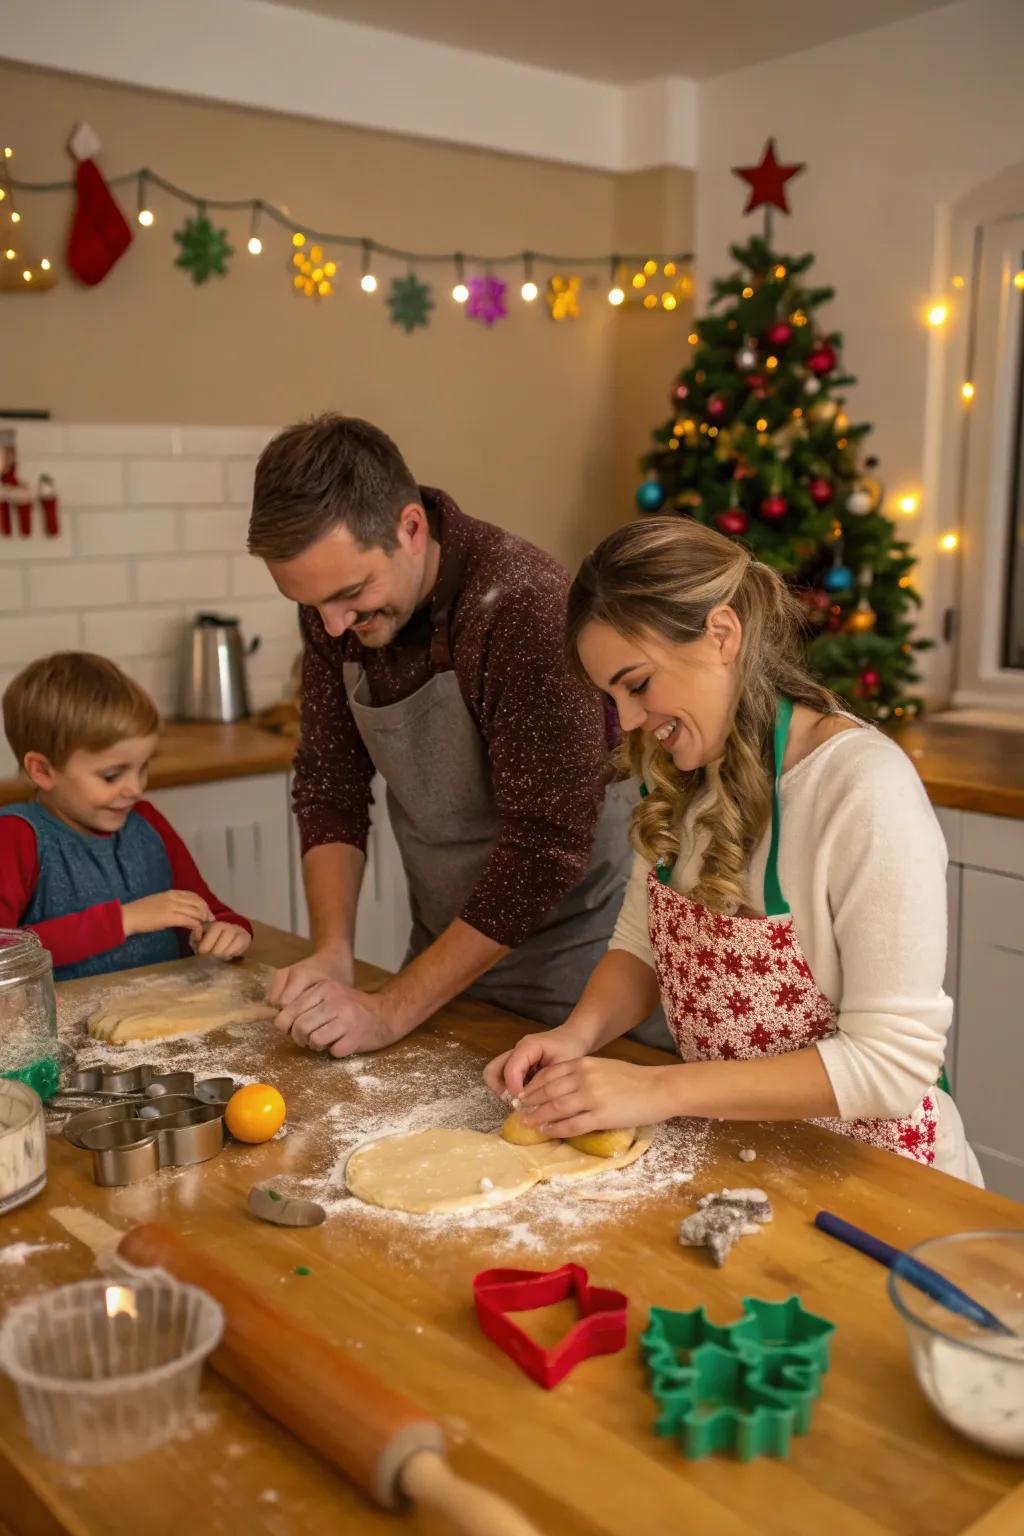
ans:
(735, 988)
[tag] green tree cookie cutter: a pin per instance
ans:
(745, 1386)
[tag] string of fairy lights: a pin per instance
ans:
(646, 280)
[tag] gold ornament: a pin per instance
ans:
(862, 618)
(563, 297)
(312, 274)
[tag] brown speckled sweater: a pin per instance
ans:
(546, 734)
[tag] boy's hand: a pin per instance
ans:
(167, 909)
(225, 940)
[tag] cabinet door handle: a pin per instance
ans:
(371, 848)
(229, 842)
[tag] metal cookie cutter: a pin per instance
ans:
(103, 1082)
(133, 1139)
(600, 1330)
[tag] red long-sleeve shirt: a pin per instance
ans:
(94, 930)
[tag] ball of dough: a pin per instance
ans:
(604, 1143)
(522, 1135)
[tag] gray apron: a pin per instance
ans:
(441, 804)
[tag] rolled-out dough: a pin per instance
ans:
(174, 1010)
(441, 1170)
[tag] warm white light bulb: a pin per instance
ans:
(255, 245)
(460, 293)
(146, 217)
(529, 290)
(45, 264)
(938, 314)
(368, 283)
(616, 296)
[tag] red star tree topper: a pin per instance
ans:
(767, 180)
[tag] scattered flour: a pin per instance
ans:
(17, 1253)
(747, 1154)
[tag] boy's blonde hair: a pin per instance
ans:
(74, 702)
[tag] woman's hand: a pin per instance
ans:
(507, 1073)
(592, 1093)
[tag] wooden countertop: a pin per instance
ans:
(581, 1460)
(193, 753)
(967, 767)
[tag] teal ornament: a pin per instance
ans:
(838, 579)
(649, 496)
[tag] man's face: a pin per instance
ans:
(369, 591)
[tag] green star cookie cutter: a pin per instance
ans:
(746, 1386)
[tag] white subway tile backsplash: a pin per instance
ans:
(153, 528)
(250, 577)
(77, 584)
(134, 631)
(216, 528)
(12, 593)
(186, 482)
(148, 532)
(39, 546)
(190, 578)
(222, 442)
(79, 482)
(26, 636)
(35, 439)
(159, 675)
(116, 442)
(270, 617)
(240, 478)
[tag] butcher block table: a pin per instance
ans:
(582, 1458)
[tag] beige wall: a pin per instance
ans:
(528, 424)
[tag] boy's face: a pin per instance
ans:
(94, 791)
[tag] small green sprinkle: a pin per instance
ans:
(273, 1194)
(302, 1269)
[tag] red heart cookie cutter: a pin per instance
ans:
(601, 1329)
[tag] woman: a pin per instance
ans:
(788, 894)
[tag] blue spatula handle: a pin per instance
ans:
(912, 1270)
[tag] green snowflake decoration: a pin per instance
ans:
(409, 302)
(204, 250)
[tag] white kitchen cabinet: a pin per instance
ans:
(383, 921)
(990, 1056)
(237, 832)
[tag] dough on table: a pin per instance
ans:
(443, 1170)
(174, 1010)
(597, 1143)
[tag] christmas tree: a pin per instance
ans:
(759, 446)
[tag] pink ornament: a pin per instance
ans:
(823, 359)
(680, 393)
(732, 521)
(780, 334)
(486, 300)
(870, 678)
(717, 407)
(821, 491)
(774, 507)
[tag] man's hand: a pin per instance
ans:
(225, 940)
(323, 965)
(597, 1094)
(167, 909)
(329, 1016)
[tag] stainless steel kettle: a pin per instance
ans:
(214, 685)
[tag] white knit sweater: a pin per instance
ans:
(862, 865)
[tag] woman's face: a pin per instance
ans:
(682, 695)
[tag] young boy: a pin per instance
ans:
(88, 865)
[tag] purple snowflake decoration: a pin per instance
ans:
(486, 300)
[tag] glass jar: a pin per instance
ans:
(28, 1012)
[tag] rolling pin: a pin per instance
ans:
(379, 1439)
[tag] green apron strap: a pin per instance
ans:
(775, 904)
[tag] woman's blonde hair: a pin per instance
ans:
(663, 576)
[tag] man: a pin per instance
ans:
(434, 654)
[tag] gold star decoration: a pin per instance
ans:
(312, 274)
